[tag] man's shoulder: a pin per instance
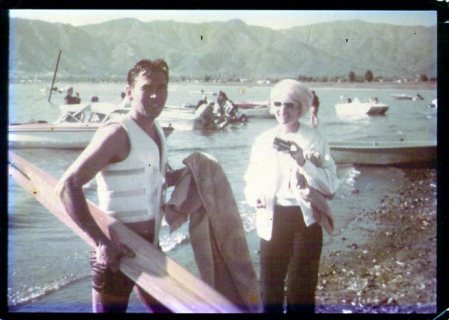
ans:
(111, 141)
(112, 132)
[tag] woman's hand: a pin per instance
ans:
(297, 153)
(314, 157)
(301, 156)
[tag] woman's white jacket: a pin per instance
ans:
(263, 178)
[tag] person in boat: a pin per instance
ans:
(209, 117)
(70, 98)
(219, 107)
(128, 157)
(231, 108)
(290, 191)
(124, 103)
(227, 109)
(203, 99)
(314, 109)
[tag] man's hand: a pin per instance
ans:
(172, 176)
(260, 203)
(109, 254)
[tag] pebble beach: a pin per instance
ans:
(389, 263)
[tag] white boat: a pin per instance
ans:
(255, 109)
(205, 117)
(186, 118)
(385, 152)
(433, 104)
(407, 97)
(357, 107)
(73, 130)
(90, 113)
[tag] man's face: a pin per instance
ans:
(149, 94)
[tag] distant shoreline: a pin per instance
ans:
(408, 85)
(425, 85)
(393, 85)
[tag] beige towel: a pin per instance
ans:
(322, 213)
(204, 194)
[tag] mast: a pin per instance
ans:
(54, 76)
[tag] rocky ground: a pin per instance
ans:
(392, 269)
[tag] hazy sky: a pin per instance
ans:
(275, 19)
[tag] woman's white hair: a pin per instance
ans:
(298, 92)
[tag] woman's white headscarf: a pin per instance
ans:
(298, 92)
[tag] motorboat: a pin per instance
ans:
(402, 96)
(187, 118)
(205, 117)
(255, 109)
(399, 152)
(433, 104)
(72, 130)
(357, 107)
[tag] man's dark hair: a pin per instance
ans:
(148, 67)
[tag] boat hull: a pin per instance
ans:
(54, 136)
(385, 153)
(365, 108)
(254, 110)
(407, 97)
(181, 118)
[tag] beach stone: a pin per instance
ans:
(397, 259)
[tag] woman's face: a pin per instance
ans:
(285, 109)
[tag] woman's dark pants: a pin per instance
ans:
(292, 255)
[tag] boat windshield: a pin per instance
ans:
(116, 114)
(90, 113)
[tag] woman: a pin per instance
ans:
(288, 190)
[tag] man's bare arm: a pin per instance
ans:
(110, 144)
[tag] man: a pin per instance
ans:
(314, 109)
(70, 99)
(203, 99)
(128, 158)
(124, 103)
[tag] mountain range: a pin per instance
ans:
(231, 49)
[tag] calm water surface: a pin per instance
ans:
(48, 268)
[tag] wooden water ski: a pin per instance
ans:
(175, 287)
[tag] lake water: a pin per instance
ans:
(48, 268)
